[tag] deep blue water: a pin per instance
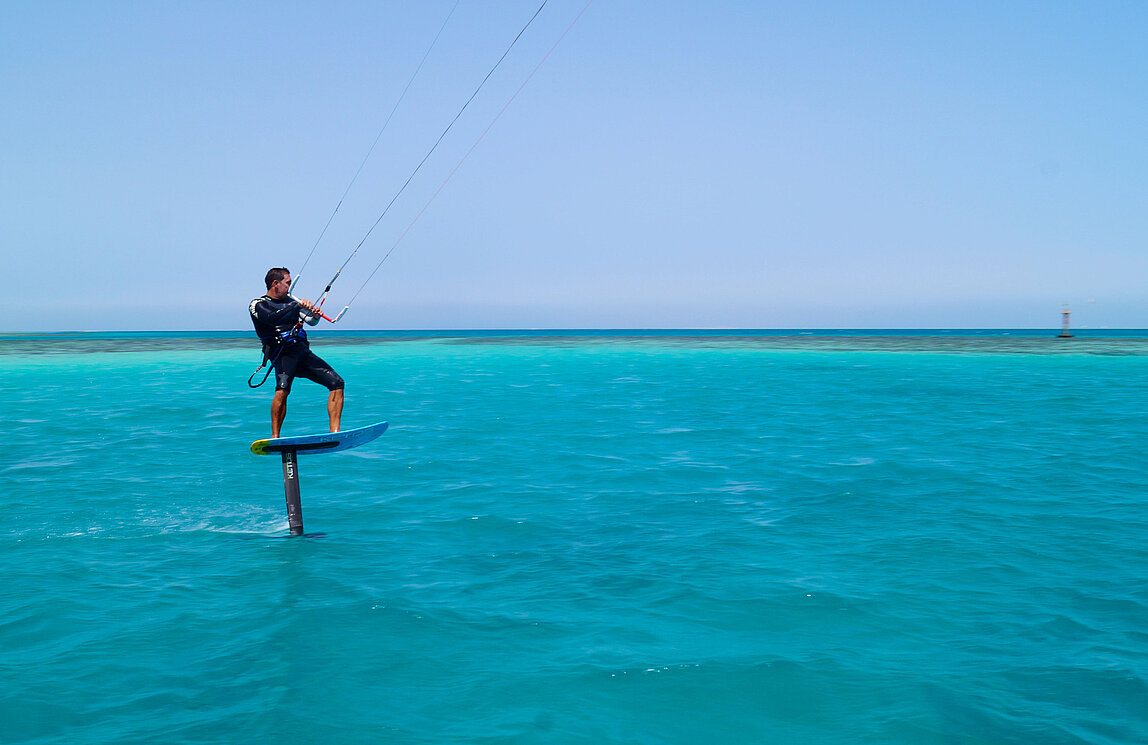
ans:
(621, 537)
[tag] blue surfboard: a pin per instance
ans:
(327, 442)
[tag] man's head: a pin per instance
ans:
(278, 281)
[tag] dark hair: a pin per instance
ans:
(276, 274)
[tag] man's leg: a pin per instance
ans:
(335, 408)
(285, 366)
(279, 411)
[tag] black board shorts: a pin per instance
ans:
(304, 363)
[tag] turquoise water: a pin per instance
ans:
(719, 538)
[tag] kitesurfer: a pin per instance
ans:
(279, 319)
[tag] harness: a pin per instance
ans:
(281, 340)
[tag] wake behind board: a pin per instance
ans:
(327, 442)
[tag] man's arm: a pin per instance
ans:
(274, 314)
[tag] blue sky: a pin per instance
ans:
(672, 164)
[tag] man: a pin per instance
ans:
(279, 320)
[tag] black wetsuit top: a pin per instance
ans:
(286, 346)
(274, 318)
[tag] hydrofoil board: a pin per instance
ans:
(327, 442)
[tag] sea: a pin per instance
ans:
(640, 537)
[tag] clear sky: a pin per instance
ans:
(672, 164)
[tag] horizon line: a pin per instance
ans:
(613, 329)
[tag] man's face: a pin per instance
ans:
(281, 288)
